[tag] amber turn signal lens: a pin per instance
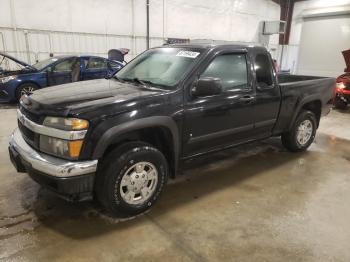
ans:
(74, 148)
(79, 124)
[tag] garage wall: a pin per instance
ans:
(318, 25)
(319, 34)
(33, 29)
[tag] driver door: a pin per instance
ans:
(213, 122)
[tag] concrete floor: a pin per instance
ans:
(253, 203)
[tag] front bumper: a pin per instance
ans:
(4, 96)
(6, 93)
(73, 180)
(345, 96)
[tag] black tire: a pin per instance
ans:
(340, 104)
(290, 140)
(114, 167)
(26, 86)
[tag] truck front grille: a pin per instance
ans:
(29, 136)
(30, 115)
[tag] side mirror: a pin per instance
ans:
(207, 86)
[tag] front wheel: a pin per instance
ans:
(25, 89)
(302, 133)
(131, 179)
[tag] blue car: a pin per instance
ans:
(50, 72)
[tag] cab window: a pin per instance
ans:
(231, 69)
(263, 71)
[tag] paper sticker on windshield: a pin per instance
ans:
(188, 54)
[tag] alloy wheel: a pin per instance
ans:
(139, 183)
(304, 132)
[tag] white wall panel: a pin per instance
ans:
(322, 41)
(235, 20)
(94, 26)
(291, 55)
(5, 14)
(45, 15)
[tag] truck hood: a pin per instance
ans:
(83, 96)
(346, 55)
(22, 63)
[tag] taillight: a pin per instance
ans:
(340, 85)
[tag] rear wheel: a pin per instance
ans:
(302, 133)
(25, 89)
(131, 178)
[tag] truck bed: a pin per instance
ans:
(296, 90)
(286, 78)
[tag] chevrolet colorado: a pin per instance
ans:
(120, 139)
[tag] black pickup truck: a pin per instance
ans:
(119, 139)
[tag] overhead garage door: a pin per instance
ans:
(322, 40)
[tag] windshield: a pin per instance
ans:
(42, 64)
(160, 66)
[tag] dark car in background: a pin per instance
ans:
(50, 72)
(342, 98)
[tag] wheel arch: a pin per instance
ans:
(313, 104)
(27, 82)
(159, 131)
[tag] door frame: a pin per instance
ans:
(50, 67)
(188, 99)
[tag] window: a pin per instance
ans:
(96, 63)
(42, 64)
(164, 66)
(64, 66)
(231, 69)
(263, 70)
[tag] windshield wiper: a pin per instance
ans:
(144, 83)
(139, 81)
(136, 80)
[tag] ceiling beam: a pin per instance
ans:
(287, 7)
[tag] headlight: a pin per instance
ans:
(60, 147)
(7, 78)
(66, 123)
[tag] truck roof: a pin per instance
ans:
(212, 44)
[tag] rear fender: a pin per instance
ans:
(301, 104)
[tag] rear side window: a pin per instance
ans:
(263, 70)
(96, 63)
(231, 69)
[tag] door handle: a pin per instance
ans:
(247, 99)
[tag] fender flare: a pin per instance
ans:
(114, 132)
(300, 105)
